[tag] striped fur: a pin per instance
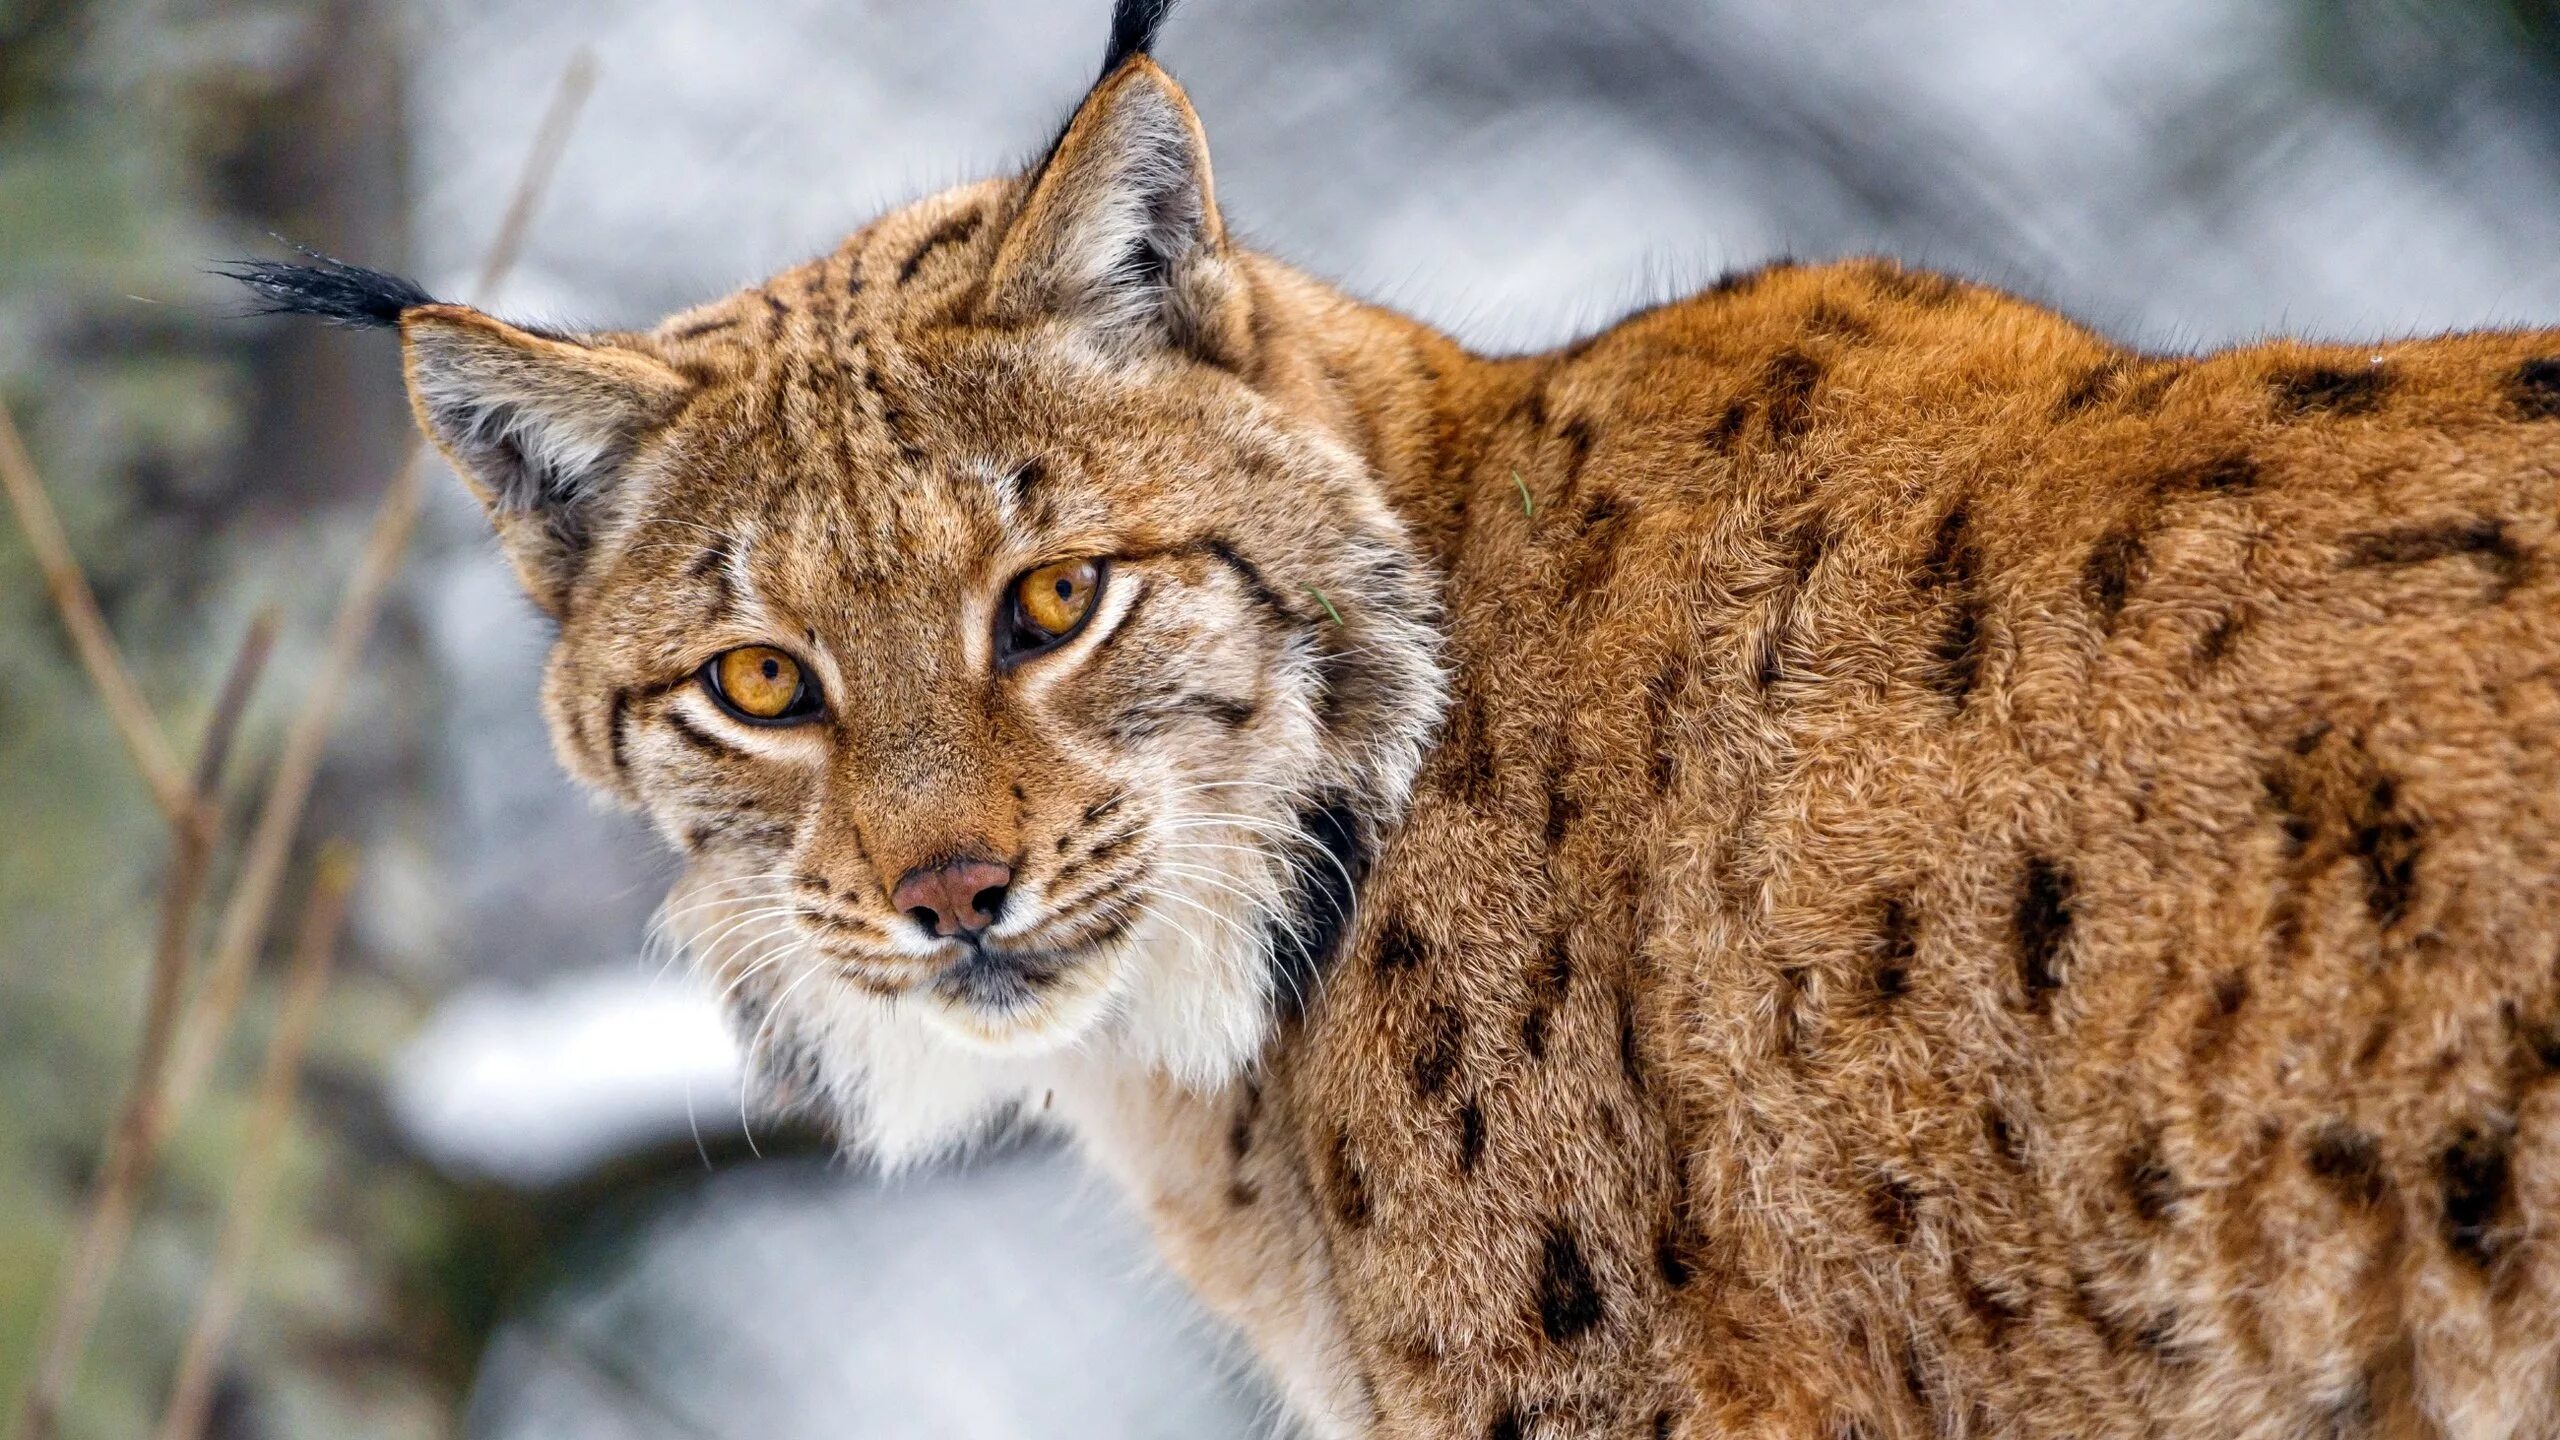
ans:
(1918, 873)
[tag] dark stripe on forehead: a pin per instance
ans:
(786, 376)
(828, 374)
(700, 328)
(951, 232)
(892, 419)
(1026, 485)
(821, 298)
(1025, 478)
(711, 568)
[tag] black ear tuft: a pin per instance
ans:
(330, 289)
(1134, 24)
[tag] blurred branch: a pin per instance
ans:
(245, 917)
(550, 141)
(179, 1046)
(226, 1288)
(143, 1122)
(231, 701)
(270, 845)
(90, 637)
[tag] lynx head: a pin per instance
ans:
(1016, 651)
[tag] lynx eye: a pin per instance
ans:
(1047, 605)
(760, 685)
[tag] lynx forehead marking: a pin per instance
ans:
(1467, 760)
(1562, 809)
(1668, 1260)
(954, 231)
(1835, 322)
(1803, 551)
(1923, 288)
(1726, 432)
(709, 325)
(2220, 1020)
(2215, 644)
(1735, 283)
(1661, 701)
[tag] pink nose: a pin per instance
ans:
(956, 897)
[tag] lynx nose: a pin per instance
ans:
(954, 898)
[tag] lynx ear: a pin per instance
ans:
(1119, 234)
(538, 426)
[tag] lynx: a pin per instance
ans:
(1841, 858)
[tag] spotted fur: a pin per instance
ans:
(1972, 882)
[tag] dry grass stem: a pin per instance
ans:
(107, 1220)
(253, 1189)
(222, 727)
(181, 1043)
(270, 846)
(90, 637)
(550, 142)
(269, 850)
(144, 1120)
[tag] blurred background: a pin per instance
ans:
(519, 1200)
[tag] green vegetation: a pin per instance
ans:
(124, 170)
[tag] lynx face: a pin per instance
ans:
(994, 708)
(1020, 660)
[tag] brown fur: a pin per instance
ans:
(1973, 883)
(1994, 885)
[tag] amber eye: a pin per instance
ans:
(1047, 605)
(760, 684)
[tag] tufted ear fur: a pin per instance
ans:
(1119, 235)
(539, 427)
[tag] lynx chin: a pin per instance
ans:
(1841, 858)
